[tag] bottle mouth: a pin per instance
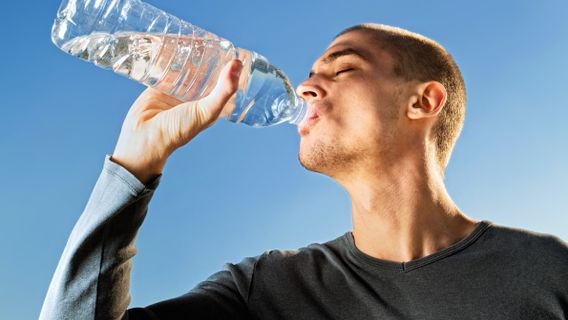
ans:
(302, 111)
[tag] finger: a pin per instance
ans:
(186, 120)
(226, 86)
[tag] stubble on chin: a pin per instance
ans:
(326, 158)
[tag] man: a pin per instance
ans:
(386, 107)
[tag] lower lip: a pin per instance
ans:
(305, 126)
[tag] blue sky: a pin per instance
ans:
(236, 191)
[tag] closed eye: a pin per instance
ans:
(343, 71)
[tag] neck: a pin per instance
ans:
(403, 213)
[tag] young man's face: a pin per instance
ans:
(354, 101)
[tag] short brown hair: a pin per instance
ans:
(419, 58)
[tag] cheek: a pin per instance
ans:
(367, 126)
(361, 109)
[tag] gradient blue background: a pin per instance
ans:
(237, 191)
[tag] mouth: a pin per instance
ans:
(311, 117)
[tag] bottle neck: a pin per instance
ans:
(301, 107)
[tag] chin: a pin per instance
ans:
(328, 156)
(308, 165)
(316, 157)
(305, 156)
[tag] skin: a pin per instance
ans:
(157, 124)
(368, 130)
(372, 134)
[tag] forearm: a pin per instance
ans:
(92, 278)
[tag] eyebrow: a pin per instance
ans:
(341, 53)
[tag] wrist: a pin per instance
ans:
(145, 173)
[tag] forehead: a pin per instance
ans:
(363, 38)
(360, 41)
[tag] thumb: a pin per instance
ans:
(187, 119)
(226, 86)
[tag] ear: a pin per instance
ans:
(428, 101)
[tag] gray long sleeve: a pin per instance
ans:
(92, 278)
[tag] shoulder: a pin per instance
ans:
(312, 254)
(528, 237)
(536, 247)
(309, 256)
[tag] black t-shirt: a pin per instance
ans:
(494, 273)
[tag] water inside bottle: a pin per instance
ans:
(187, 67)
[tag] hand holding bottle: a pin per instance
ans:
(157, 124)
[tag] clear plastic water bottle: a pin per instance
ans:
(150, 46)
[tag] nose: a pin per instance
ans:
(310, 90)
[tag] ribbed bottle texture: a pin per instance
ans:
(150, 46)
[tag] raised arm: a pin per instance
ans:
(93, 275)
